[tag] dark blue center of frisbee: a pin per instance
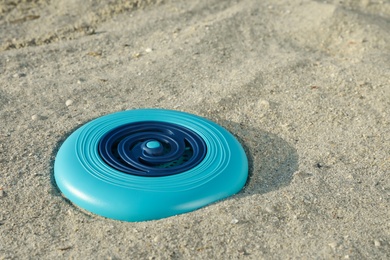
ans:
(152, 148)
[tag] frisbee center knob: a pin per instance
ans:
(153, 144)
(153, 147)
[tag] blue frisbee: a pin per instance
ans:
(148, 164)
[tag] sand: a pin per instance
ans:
(304, 85)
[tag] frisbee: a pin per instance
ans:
(147, 164)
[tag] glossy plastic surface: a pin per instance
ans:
(90, 183)
(152, 148)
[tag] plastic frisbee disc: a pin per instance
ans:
(149, 164)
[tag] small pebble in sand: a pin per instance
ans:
(34, 117)
(148, 50)
(68, 102)
(137, 55)
(19, 75)
(263, 104)
(234, 221)
(156, 239)
(333, 245)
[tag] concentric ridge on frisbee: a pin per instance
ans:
(149, 164)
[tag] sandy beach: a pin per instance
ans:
(304, 85)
